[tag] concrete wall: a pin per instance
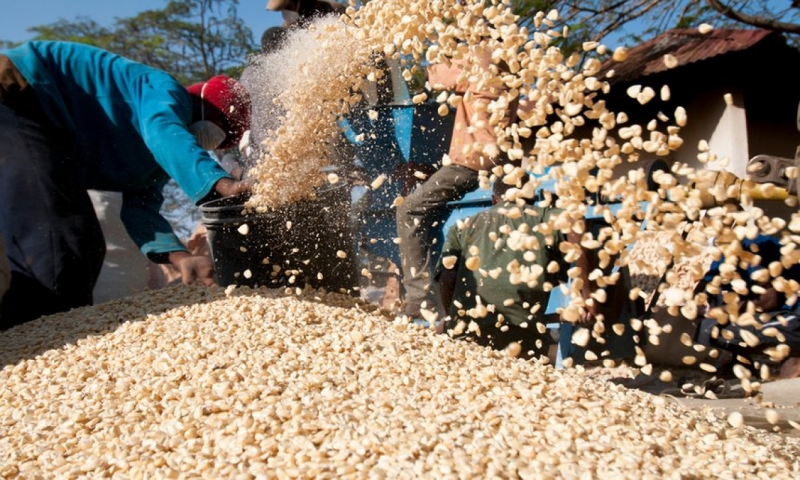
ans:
(771, 116)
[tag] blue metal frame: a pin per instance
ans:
(401, 133)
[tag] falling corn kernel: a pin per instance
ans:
(680, 116)
(473, 264)
(376, 184)
(419, 98)
(581, 337)
(708, 367)
(244, 229)
(674, 296)
(735, 419)
(772, 416)
(728, 99)
(645, 95)
(670, 61)
(514, 349)
(634, 90)
(705, 28)
(634, 294)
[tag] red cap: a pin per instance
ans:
(223, 101)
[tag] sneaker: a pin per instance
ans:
(421, 322)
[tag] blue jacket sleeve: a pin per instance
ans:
(164, 115)
(164, 111)
(146, 226)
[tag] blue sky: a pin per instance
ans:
(17, 16)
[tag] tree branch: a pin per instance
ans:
(753, 20)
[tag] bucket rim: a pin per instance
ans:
(225, 203)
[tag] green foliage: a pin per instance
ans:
(5, 44)
(82, 30)
(191, 39)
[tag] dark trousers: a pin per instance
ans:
(532, 343)
(710, 333)
(53, 240)
(415, 218)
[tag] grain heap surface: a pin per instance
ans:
(191, 382)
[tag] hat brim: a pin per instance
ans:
(276, 4)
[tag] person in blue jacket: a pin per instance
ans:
(75, 117)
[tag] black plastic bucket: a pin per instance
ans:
(296, 245)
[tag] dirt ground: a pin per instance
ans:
(781, 395)
(687, 384)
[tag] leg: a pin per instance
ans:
(415, 217)
(53, 240)
(729, 337)
(787, 323)
(532, 343)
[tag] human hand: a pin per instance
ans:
(195, 269)
(588, 316)
(228, 187)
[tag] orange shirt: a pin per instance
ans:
(474, 142)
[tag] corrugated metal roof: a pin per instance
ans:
(687, 45)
